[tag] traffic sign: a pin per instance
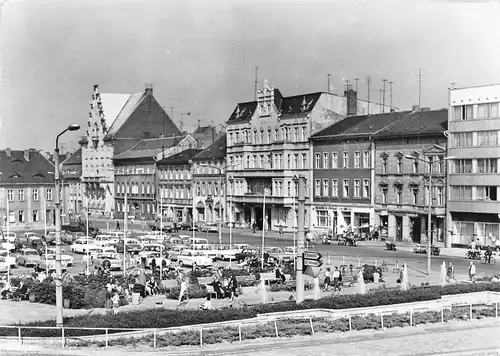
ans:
(312, 255)
(313, 263)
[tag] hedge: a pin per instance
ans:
(165, 318)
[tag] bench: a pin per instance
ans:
(207, 281)
(269, 278)
(249, 280)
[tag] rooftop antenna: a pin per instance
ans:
(453, 85)
(419, 86)
(255, 83)
(356, 79)
(380, 100)
(390, 94)
(368, 82)
(328, 78)
(346, 83)
(383, 95)
(213, 130)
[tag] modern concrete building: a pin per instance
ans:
(474, 183)
(27, 188)
(269, 138)
(117, 122)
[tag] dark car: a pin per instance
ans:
(246, 254)
(133, 246)
(76, 226)
(420, 249)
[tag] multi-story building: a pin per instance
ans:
(269, 138)
(27, 188)
(209, 179)
(135, 174)
(205, 136)
(175, 185)
(116, 123)
(71, 172)
(404, 147)
(474, 144)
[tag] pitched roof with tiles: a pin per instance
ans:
(75, 158)
(118, 108)
(216, 151)
(421, 123)
(204, 130)
(180, 158)
(149, 147)
(16, 169)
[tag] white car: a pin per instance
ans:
(102, 251)
(9, 246)
(206, 250)
(193, 258)
(48, 263)
(158, 259)
(31, 237)
(28, 257)
(9, 236)
(4, 265)
(151, 248)
(225, 253)
(83, 246)
(65, 258)
(113, 258)
(10, 259)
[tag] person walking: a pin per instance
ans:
(472, 271)
(116, 302)
(328, 280)
(336, 279)
(450, 272)
(184, 291)
(117, 225)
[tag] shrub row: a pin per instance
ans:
(294, 327)
(164, 318)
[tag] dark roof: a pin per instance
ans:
(16, 169)
(243, 112)
(75, 158)
(180, 158)
(418, 123)
(204, 130)
(149, 147)
(216, 150)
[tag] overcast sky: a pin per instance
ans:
(201, 55)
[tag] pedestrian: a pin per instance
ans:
(184, 291)
(497, 244)
(472, 271)
(116, 302)
(117, 225)
(336, 277)
(207, 305)
(254, 226)
(328, 280)
(281, 231)
(109, 296)
(153, 265)
(450, 272)
(233, 286)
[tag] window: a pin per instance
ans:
(462, 139)
(462, 112)
(269, 137)
(357, 188)
(248, 161)
(461, 192)
(384, 194)
(34, 194)
(487, 165)
(143, 189)
(384, 165)
(326, 185)
(317, 161)
(399, 194)
(304, 161)
(346, 188)
(322, 218)
(20, 215)
(304, 133)
(486, 111)
(335, 188)
(415, 196)
(276, 135)
(345, 162)
(325, 160)
(280, 161)
(486, 193)
(357, 159)
(296, 161)
(247, 136)
(254, 137)
(400, 165)
(487, 138)
(463, 165)
(415, 166)
(296, 134)
(48, 194)
(230, 141)
(289, 190)
(366, 188)
(36, 216)
(366, 159)
(335, 160)
(289, 161)
(262, 137)
(440, 195)
(317, 187)
(20, 195)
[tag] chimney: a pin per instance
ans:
(149, 89)
(352, 100)
(27, 155)
(8, 152)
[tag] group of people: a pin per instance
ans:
(332, 278)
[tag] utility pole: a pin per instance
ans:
(368, 82)
(255, 84)
(356, 79)
(380, 100)
(419, 87)
(328, 78)
(300, 239)
(383, 100)
(390, 94)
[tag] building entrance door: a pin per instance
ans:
(399, 228)
(415, 230)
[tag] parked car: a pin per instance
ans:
(4, 265)
(149, 256)
(210, 227)
(186, 225)
(225, 252)
(151, 248)
(28, 257)
(9, 236)
(193, 259)
(132, 245)
(71, 237)
(65, 258)
(241, 247)
(175, 251)
(12, 260)
(206, 250)
(5, 244)
(421, 249)
(77, 226)
(246, 254)
(113, 258)
(31, 237)
(49, 264)
(83, 245)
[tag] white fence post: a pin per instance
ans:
(19, 335)
(62, 337)
(329, 259)
(442, 314)
(496, 310)
(154, 338)
(350, 323)
(311, 322)
(106, 338)
(343, 260)
(411, 317)
(239, 331)
(201, 336)
(470, 311)
(276, 328)
(359, 261)
(382, 320)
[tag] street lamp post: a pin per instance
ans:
(58, 279)
(429, 207)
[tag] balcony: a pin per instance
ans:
(474, 206)
(259, 199)
(177, 201)
(263, 173)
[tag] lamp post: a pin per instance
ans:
(429, 206)
(125, 216)
(230, 221)
(58, 279)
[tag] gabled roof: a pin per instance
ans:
(118, 107)
(202, 130)
(215, 151)
(75, 158)
(16, 169)
(180, 158)
(417, 123)
(298, 104)
(243, 112)
(149, 147)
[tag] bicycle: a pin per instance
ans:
(484, 260)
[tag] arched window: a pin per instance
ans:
(142, 188)
(148, 189)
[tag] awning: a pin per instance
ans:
(200, 205)
(216, 207)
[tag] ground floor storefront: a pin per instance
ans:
(340, 219)
(464, 227)
(177, 213)
(401, 226)
(209, 211)
(274, 216)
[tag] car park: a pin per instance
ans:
(193, 258)
(83, 245)
(28, 257)
(206, 250)
(12, 260)
(49, 264)
(246, 254)
(132, 245)
(31, 237)
(113, 258)
(4, 265)
(65, 258)
(225, 252)
(175, 251)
